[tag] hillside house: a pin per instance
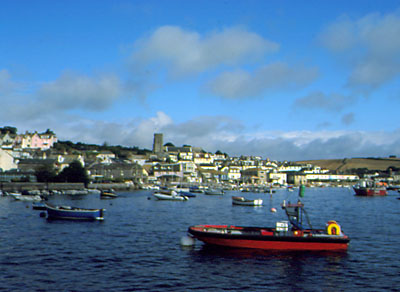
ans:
(7, 140)
(211, 176)
(277, 178)
(167, 173)
(106, 157)
(202, 158)
(117, 171)
(42, 141)
(255, 175)
(34, 164)
(233, 173)
(7, 161)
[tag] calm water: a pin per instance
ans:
(137, 247)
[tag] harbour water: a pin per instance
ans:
(137, 246)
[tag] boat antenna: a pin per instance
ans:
(295, 212)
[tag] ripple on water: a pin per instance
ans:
(136, 248)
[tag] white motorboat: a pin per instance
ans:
(169, 195)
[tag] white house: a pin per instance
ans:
(7, 161)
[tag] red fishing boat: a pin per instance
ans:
(286, 235)
(370, 188)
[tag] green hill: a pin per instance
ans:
(344, 165)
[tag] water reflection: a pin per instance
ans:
(209, 250)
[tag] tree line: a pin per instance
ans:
(74, 173)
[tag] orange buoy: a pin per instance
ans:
(273, 210)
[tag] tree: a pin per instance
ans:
(11, 130)
(48, 131)
(45, 173)
(73, 173)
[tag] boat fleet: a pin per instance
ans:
(39, 201)
(296, 233)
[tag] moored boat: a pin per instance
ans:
(38, 206)
(169, 195)
(74, 213)
(236, 200)
(26, 198)
(187, 194)
(370, 188)
(108, 194)
(286, 235)
(214, 192)
(195, 189)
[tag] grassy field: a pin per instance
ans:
(354, 163)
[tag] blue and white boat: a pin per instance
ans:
(74, 213)
(214, 192)
(187, 194)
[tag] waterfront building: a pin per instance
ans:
(117, 171)
(279, 178)
(255, 175)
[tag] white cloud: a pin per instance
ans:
(319, 100)
(73, 91)
(371, 47)
(185, 52)
(275, 76)
(53, 101)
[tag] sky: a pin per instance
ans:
(284, 80)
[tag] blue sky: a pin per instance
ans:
(285, 80)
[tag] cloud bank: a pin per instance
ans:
(232, 137)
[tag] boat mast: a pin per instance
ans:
(295, 212)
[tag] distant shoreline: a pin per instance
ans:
(29, 186)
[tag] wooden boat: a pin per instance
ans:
(169, 195)
(370, 188)
(246, 202)
(214, 191)
(74, 213)
(286, 235)
(108, 194)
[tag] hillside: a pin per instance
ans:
(342, 165)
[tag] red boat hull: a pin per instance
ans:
(265, 239)
(370, 191)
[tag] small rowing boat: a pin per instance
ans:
(246, 202)
(74, 213)
(108, 194)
